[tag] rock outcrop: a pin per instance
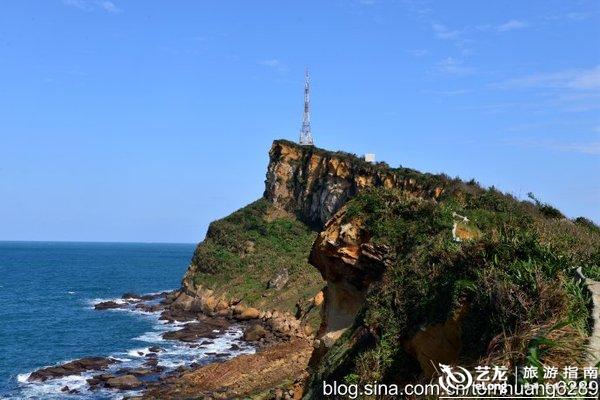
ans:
(313, 183)
(349, 263)
(72, 368)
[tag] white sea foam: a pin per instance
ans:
(138, 352)
(93, 302)
(173, 354)
(150, 337)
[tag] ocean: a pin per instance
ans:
(47, 292)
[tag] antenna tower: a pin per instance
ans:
(305, 133)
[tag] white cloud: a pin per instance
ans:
(108, 6)
(580, 79)
(511, 25)
(591, 148)
(418, 52)
(445, 33)
(276, 65)
(452, 66)
(90, 5)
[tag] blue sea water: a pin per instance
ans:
(47, 290)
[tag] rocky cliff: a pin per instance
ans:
(407, 269)
(314, 183)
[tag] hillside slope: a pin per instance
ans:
(415, 268)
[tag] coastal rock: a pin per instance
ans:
(107, 305)
(125, 382)
(240, 377)
(249, 313)
(150, 308)
(71, 368)
(254, 333)
(206, 328)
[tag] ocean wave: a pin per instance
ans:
(172, 355)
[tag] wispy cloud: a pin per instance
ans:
(91, 5)
(276, 65)
(579, 79)
(507, 26)
(452, 66)
(454, 92)
(590, 148)
(511, 25)
(418, 52)
(443, 32)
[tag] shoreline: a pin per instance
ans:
(151, 364)
(183, 341)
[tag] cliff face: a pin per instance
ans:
(419, 269)
(313, 183)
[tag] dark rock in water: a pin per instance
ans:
(254, 333)
(107, 305)
(151, 362)
(141, 371)
(93, 382)
(149, 307)
(159, 368)
(65, 389)
(195, 330)
(125, 382)
(129, 295)
(151, 355)
(234, 347)
(73, 391)
(72, 368)
(154, 296)
(177, 314)
(155, 349)
(104, 377)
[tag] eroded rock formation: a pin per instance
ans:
(314, 183)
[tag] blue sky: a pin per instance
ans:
(145, 120)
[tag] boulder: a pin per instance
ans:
(279, 280)
(195, 330)
(125, 382)
(319, 298)
(249, 313)
(238, 309)
(254, 333)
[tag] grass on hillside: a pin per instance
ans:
(246, 249)
(517, 279)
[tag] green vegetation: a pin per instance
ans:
(243, 251)
(516, 280)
